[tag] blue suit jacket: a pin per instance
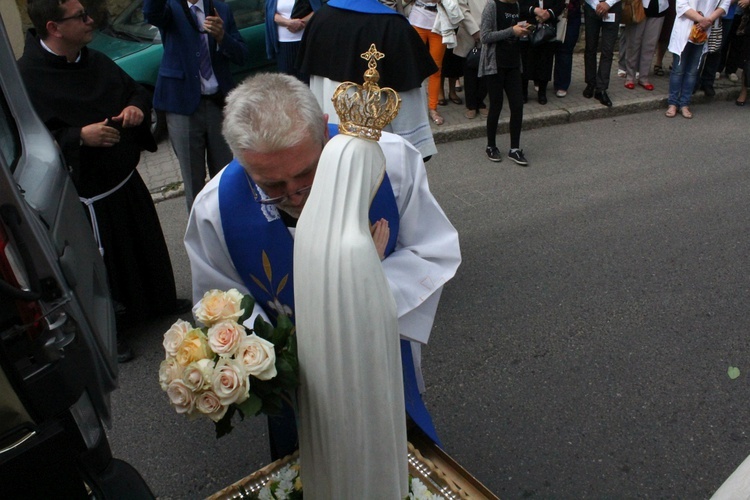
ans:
(178, 86)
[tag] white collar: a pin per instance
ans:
(200, 4)
(46, 47)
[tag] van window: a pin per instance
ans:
(10, 142)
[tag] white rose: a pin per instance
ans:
(194, 347)
(224, 337)
(181, 397)
(230, 382)
(216, 306)
(258, 357)
(175, 335)
(208, 403)
(169, 370)
(197, 375)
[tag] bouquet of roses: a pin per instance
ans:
(223, 367)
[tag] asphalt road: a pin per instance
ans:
(582, 349)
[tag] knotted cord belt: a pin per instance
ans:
(89, 202)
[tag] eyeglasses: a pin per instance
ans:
(277, 199)
(83, 16)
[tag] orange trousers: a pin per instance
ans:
(436, 47)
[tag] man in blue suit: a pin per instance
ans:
(200, 41)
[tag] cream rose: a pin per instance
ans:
(224, 338)
(194, 347)
(181, 397)
(258, 357)
(197, 375)
(175, 335)
(230, 382)
(208, 403)
(216, 306)
(169, 370)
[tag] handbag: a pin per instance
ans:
(472, 58)
(542, 33)
(632, 12)
(562, 23)
(714, 38)
(697, 35)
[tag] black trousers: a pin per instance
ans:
(598, 76)
(508, 80)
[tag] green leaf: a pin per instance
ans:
(248, 303)
(251, 406)
(224, 426)
(733, 372)
(262, 328)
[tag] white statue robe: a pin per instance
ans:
(427, 252)
(352, 428)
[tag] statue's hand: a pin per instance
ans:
(380, 234)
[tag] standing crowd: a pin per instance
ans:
(498, 48)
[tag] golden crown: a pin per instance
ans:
(364, 110)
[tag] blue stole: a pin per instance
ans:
(262, 251)
(364, 6)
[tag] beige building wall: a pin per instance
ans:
(12, 22)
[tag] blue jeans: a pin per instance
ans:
(564, 54)
(684, 75)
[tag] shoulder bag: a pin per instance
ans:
(632, 12)
(562, 23)
(714, 38)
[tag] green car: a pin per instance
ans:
(136, 46)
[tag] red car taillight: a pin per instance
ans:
(14, 274)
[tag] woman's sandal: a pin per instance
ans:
(671, 111)
(658, 71)
(435, 116)
(685, 112)
(456, 99)
(442, 102)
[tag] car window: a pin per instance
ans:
(132, 23)
(247, 12)
(10, 142)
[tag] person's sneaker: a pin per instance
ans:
(561, 93)
(470, 114)
(517, 156)
(621, 73)
(717, 76)
(484, 112)
(493, 153)
(733, 77)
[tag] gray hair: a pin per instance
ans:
(270, 112)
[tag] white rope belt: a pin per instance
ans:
(89, 202)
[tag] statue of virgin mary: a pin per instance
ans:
(352, 426)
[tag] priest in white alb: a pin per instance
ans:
(242, 225)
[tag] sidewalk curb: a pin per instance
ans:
(477, 128)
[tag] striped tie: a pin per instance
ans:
(205, 59)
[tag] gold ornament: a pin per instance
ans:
(364, 110)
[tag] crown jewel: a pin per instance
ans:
(364, 110)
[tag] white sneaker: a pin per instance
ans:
(621, 73)
(561, 93)
(733, 77)
(718, 75)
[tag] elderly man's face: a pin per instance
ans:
(283, 173)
